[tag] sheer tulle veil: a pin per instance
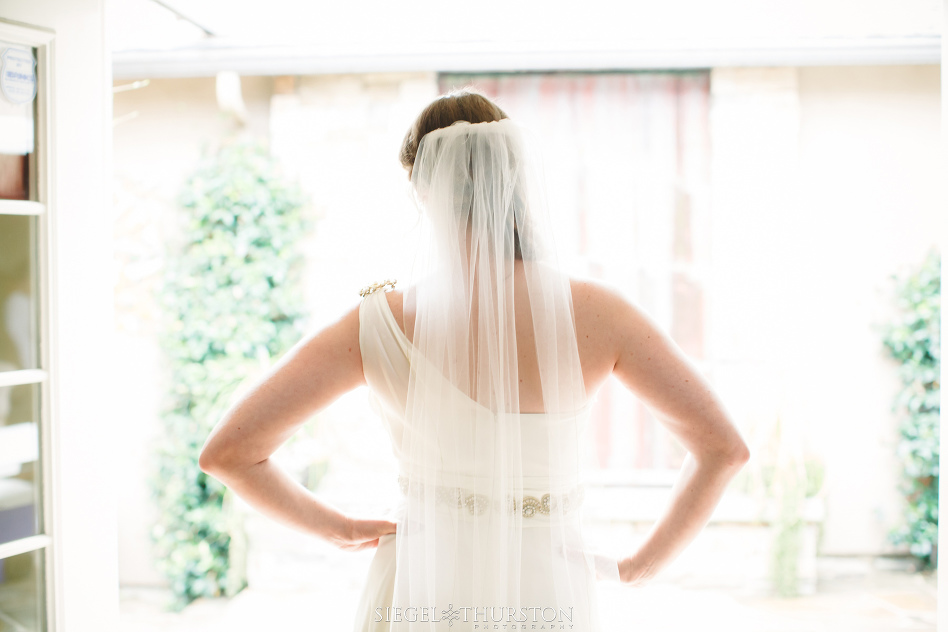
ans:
(480, 477)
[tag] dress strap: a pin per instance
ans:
(368, 289)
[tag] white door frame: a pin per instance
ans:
(82, 435)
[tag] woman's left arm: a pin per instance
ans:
(309, 377)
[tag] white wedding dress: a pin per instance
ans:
(386, 353)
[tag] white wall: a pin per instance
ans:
(84, 535)
(872, 202)
(825, 181)
(156, 147)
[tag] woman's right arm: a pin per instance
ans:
(653, 367)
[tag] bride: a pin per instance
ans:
(484, 368)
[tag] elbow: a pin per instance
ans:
(215, 455)
(218, 459)
(740, 455)
(206, 461)
(731, 457)
(210, 461)
(737, 453)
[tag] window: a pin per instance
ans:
(24, 376)
(627, 163)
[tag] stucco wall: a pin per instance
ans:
(871, 201)
(825, 181)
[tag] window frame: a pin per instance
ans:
(42, 40)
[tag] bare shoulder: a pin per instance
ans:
(597, 295)
(606, 318)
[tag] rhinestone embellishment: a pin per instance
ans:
(478, 504)
(368, 289)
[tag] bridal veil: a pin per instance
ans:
(492, 485)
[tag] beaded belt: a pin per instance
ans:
(477, 504)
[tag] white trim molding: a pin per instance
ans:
(218, 55)
(25, 34)
(24, 545)
(21, 207)
(23, 376)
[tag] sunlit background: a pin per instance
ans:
(761, 178)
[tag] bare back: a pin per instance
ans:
(617, 338)
(596, 344)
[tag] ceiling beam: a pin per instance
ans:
(208, 60)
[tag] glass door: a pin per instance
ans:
(24, 377)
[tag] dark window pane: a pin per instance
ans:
(17, 121)
(14, 177)
(18, 293)
(20, 482)
(22, 593)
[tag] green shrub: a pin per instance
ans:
(913, 340)
(231, 301)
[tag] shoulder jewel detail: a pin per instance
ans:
(368, 289)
